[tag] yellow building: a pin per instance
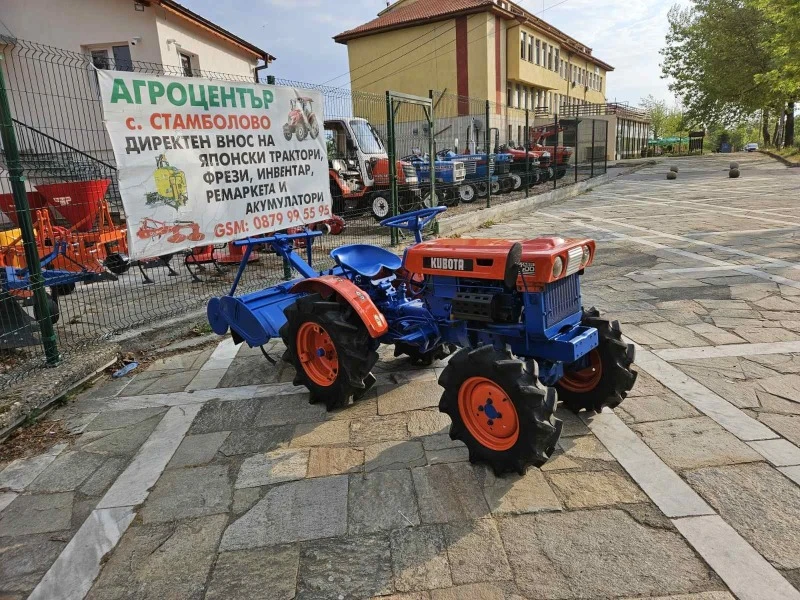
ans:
(471, 51)
(482, 49)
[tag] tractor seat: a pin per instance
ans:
(366, 260)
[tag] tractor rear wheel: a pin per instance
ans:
(52, 308)
(608, 378)
(516, 178)
(499, 410)
(330, 349)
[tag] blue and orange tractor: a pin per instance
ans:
(510, 311)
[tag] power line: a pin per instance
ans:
(399, 48)
(436, 50)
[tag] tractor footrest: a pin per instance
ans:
(569, 346)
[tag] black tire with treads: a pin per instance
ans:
(539, 430)
(355, 348)
(617, 377)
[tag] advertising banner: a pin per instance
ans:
(206, 162)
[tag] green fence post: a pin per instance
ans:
(26, 226)
(432, 154)
(392, 164)
(591, 171)
(488, 161)
(554, 156)
(527, 156)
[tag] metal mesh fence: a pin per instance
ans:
(79, 225)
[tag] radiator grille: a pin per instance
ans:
(471, 166)
(562, 298)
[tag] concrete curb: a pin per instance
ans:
(780, 158)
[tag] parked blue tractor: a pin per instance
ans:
(450, 174)
(17, 328)
(478, 169)
(510, 311)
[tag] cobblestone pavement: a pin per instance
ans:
(210, 476)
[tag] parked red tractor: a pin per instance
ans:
(359, 171)
(560, 155)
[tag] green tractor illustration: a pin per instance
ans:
(171, 187)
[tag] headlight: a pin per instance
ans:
(558, 266)
(587, 254)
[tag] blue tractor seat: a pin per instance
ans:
(365, 259)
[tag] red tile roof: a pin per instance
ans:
(415, 13)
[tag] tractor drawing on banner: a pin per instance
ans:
(301, 121)
(509, 312)
(171, 188)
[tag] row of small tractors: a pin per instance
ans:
(360, 178)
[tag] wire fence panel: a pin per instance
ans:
(485, 154)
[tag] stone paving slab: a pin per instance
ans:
(245, 490)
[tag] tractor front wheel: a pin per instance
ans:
(499, 410)
(330, 349)
(381, 205)
(302, 131)
(287, 132)
(467, 193)
(516, 179)
(607, 378)
(482, 189)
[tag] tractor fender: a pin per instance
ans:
(332, 285)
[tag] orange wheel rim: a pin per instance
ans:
(488, 413)
(586, 379)
(317, 354)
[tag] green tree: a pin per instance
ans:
(782, 43)
(713, 55)
(657, 111)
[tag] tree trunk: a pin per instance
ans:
(765, 125)
(788, 136)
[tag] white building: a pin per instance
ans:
(116, 32)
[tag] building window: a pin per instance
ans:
(518, 97)
(523, 43)
(530, 49)
(508, 96)
(538, 52)
(557, 60)
(186, 65)
(117, 58)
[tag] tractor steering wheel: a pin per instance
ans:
(415, 220)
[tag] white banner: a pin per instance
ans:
(205, 162)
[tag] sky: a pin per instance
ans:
(627, 35)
